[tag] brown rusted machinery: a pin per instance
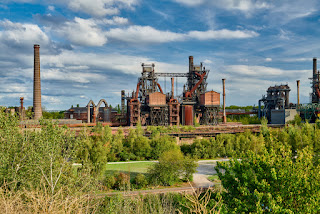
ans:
(150, 106)
(198, 103)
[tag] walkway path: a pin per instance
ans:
(204, 170)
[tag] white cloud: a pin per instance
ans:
(302, 59)
(100, 7)
(262, 71)
(222, 34)
(147, 34)
(51, 100)
(84, 32)
(144, 34)
(241, 5)
(51, 8)
(190, 2)
(207, 61)
(116, 20)
(22, 35)
(63, 74)
(268, 59)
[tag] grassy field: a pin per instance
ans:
(133, 168)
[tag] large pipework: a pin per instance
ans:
(298, 93)
(224, 100)
(37, 84)
(172, 87)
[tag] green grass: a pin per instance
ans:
(129, 168)
(214, 178)
(139, 167)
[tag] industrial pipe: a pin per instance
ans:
(189, 93)
(159, 87)
(224, 100)
(137, 91)
(172, 87)
(298, 92)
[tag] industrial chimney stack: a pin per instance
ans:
(37, 84)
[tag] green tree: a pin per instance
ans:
(171, 167)
(272, 182)
(29, 158)
(93, 150)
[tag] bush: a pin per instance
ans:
(140, 181)
(171, 166)
(109, 181)
(160, 144)
(277, 181)
(122, 181)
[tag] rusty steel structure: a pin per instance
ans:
(315, 83)
(37, 84)
(277, 98)
(149, 105)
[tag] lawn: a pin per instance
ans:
(132, 167)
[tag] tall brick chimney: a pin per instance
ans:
(37, 84)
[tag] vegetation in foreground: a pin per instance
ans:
(278, 171)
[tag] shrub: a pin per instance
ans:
(122, 181)
(171, 166)
(109, 181)
(160, 144)
(140, 181)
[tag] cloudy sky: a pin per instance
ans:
(91, 49)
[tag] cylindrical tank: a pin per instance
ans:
(188, 115)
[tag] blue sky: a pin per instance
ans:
(92, 49)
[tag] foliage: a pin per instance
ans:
(202, 202)
(244, 119)
(52, 115)
(275, 181)
(137, 145)
(172, 165)
(296, 121)
(29, 157)
(141, 204)
(39, 200)
(140, 181)
(161, 144)
(109, 181)
(122, 181)
(94, 149)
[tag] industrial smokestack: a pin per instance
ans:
(21, 109)
(21, 102)
(37, 84)
(172, 87)
(224, 101)
(298, 92)
(123, 95)
(190, 63)
(314, 66)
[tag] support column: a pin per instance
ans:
(298, 93)
(224, 101)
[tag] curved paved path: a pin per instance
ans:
(204, 170)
